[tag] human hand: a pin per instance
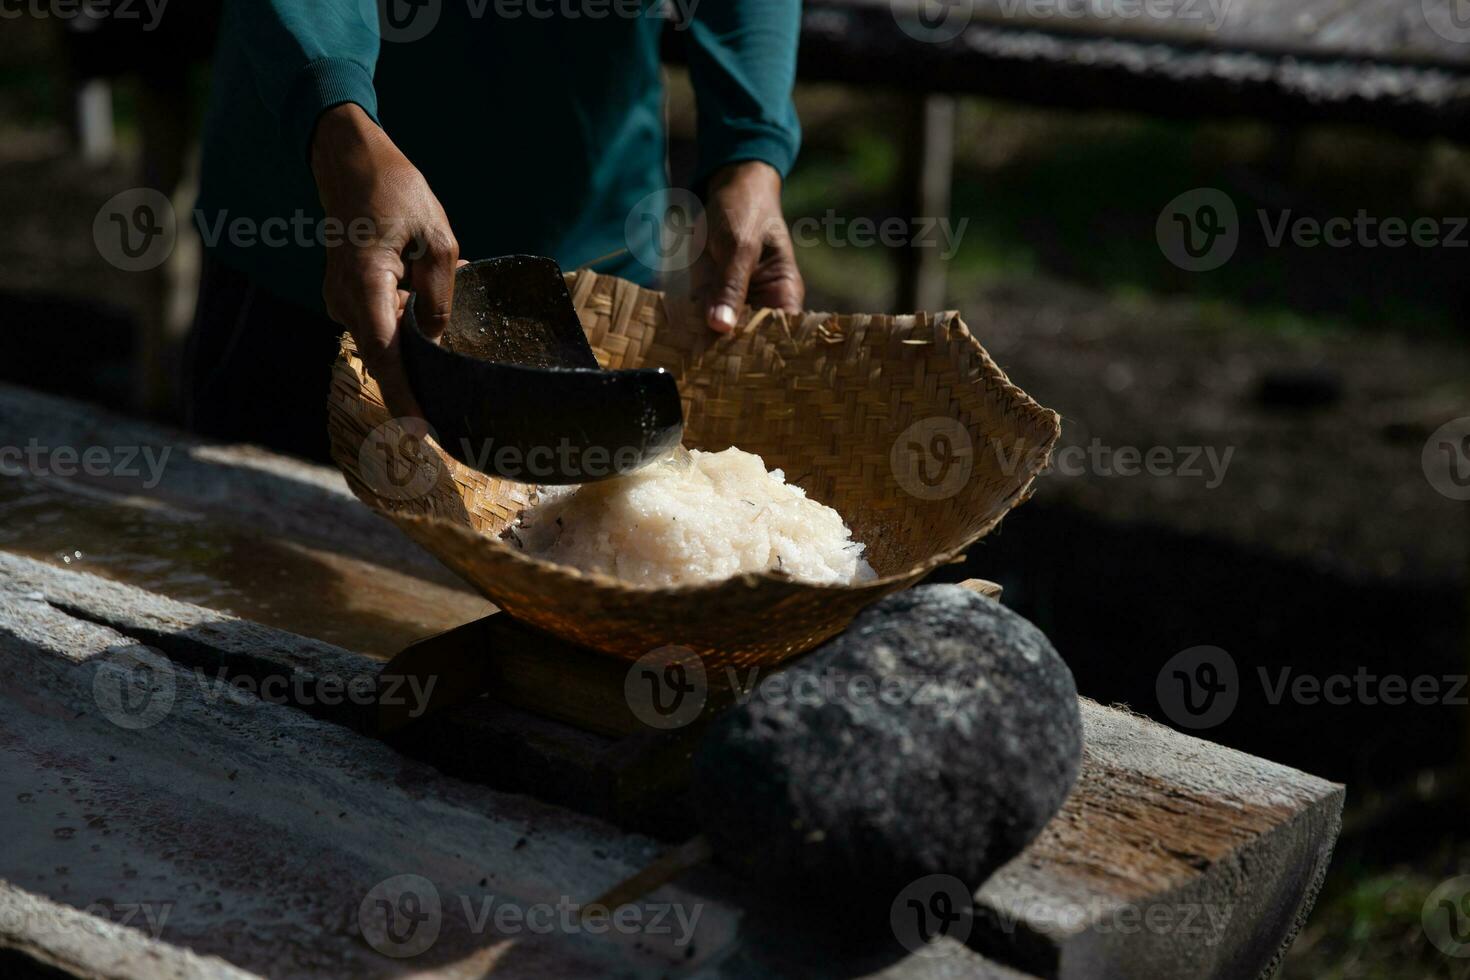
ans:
(397, 238)
(748, 257)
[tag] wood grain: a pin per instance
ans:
(1364, 62)
(1225, 850)
(231, 837)
(1173, 857)
(269, 493)
(1161, 824)
(262, 830)
(1384, 30)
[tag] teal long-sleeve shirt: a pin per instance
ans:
(537, 123)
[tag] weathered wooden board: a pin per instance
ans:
(1382, 30)
(202, 559)
(265, 492)
(1171, 850)
(255, 832)
(209, 833)
(1162, 826)
(41, 937)
(1373, 62)
(489, 740)
(1172, 857)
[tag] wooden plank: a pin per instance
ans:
(255, 832)
(1173, 857)
(1159, 821)
(322, 591)
(265, 492)
(860, 43)
(1380, 30)
(39, 932)
(247, 838)
(218, 645)
(1161, 824)
(222, 562)
(285, 542)
(490, 741)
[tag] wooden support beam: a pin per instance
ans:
(928, 164)
(92, 124)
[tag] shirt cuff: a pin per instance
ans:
(736, 145)
(320, 86)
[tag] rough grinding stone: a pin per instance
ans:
(853, 801)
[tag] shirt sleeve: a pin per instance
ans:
(742, 63)
(306, 56)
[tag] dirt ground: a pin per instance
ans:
(1339, 485)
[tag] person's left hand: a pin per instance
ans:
(748, 256)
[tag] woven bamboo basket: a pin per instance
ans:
(903, 424)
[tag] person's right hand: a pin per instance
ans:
(391, 236)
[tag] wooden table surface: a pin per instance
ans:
(204, 830)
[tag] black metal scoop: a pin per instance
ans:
(514, 389)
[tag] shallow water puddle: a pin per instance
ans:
(201, 560)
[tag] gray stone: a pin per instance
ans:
(937, 735)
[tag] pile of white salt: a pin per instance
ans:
(692, 517)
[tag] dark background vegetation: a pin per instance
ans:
(1325, 549)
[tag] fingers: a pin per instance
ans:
(361, 176)
(367, 301)
(753, 260)
(762, 272)
(431, 275)
(777, 281)
(382, 351)
(735, 253)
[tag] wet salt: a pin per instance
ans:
(692, 517)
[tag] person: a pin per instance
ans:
(353, 153)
